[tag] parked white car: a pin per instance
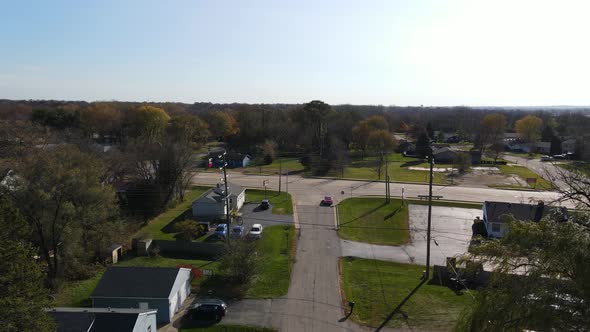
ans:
(255, 231)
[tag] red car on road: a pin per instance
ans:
(327, 200)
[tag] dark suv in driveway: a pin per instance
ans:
(207, 310)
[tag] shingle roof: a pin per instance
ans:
(108, 322)
(525, 212)
(95, 319)
(136, 282)
(72, 321)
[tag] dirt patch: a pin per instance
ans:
(486, 176)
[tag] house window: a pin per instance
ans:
(496, 228)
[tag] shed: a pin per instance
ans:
(69, 319)
(113, 253)
(163, 289)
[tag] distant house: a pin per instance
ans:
(444, 155)
(568, 145)
(212, 204)
(162, 289)
(233, 159)
(495, 215)
(543, 147)
(103, 319)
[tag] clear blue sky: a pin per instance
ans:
(362, 52)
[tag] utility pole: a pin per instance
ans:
(280, 172)
(227, 207)
(387, 193)
(431, 160)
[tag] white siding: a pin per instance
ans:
(146, 322)
(179, 291)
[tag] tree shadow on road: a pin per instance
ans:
(400, 305)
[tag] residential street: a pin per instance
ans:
(451, 232)
(548, 170)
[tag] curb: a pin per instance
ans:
(336, 218)
(376, 181)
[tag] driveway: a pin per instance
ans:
(251, 214)
(450, 232)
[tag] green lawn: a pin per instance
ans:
(156, 227)
(463, 205)
(286, 164)
(227, 328)
(378, 287)
(579, 166)
(398, 170)
(281, 203)
(77, 293)
(525, 173)
(277, 248)
(370, 220)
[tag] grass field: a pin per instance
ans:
(227, 328)
(370, 220)
(378, 287)
(156, 227)
(463, 205)
(77, 293)
(277, 250)
(398, 170)
(281, 203)
(293, 165)
(525, 173)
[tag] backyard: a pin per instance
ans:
(371, 220)
(378, 287)
(276, 249)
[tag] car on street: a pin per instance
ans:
(546, 158)
(255, 231)
(327, 201)
(237, 231)
(207, 310)
(265, 204)
(221, 230)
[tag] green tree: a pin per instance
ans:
(188, 128)
(222, 124)
(240, 261)
(60, 194)
(462, 162)
(189, 230)
(423, 145)
(101, 118)
(529, 128)
(542, 279)
(492, 129)
(23, 297)
(148, 123)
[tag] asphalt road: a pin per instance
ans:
(548, 170)
(310, 191)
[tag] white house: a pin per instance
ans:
(497, 215)
(162, 289)
(212, 204)
(69, 319)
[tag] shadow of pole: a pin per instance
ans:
(400, 305)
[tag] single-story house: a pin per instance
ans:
(543, 147)
(212, 205)
(103, 319)
(233, 159)
(444, 155)
(496, 215)
(159, 288)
